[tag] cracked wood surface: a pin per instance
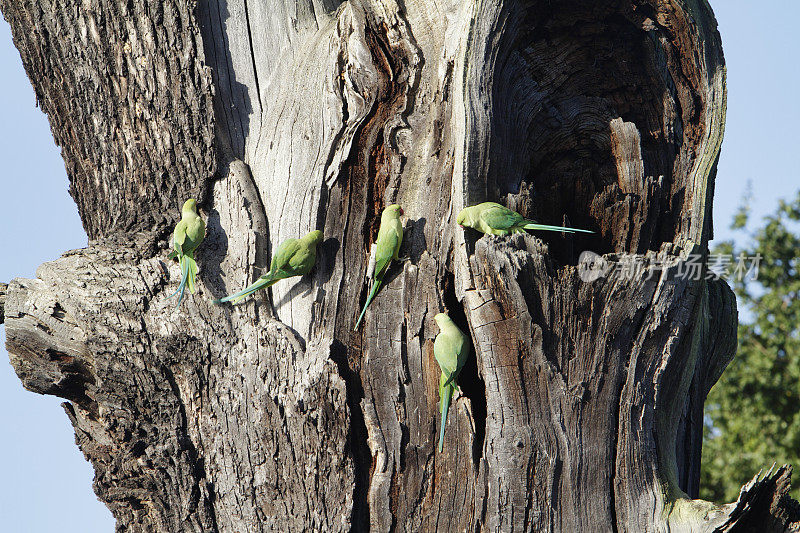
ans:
(582, 408)
(3, 292)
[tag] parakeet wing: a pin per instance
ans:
(461, 346)
(387, 243)
(446, 353)
(499, 217)
(302, 261)
(179, 236)
(194, 233)
(284, 253)
(462, 351)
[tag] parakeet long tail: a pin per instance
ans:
(262, 283)
(188, 273)
(544, 227)
(376, 285)
(446, 393)
(191, 272)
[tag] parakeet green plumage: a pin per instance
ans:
(495, 219)
(451, 349)
(390, 237)
(294, 257)
(189, 233)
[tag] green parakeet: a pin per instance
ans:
(189, 233)
(390, 237)
(451, 349)
(294, 257)
(495, 219)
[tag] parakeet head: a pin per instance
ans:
(314, 237)
(442, 319)
(461, 219)
(189, 206)
(393, 211)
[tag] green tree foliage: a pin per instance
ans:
(753, 413)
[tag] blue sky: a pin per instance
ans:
(761, 139)
(47, 483)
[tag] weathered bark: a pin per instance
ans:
(582, 408)
(3, 290)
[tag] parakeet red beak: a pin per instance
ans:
(401, 211)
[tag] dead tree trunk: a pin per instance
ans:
(582, 408)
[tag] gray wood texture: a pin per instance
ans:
(582, 408)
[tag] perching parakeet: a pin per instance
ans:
(451, 349)
(189, 233)
(495, 219)
(390, 236)
(294, 257)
